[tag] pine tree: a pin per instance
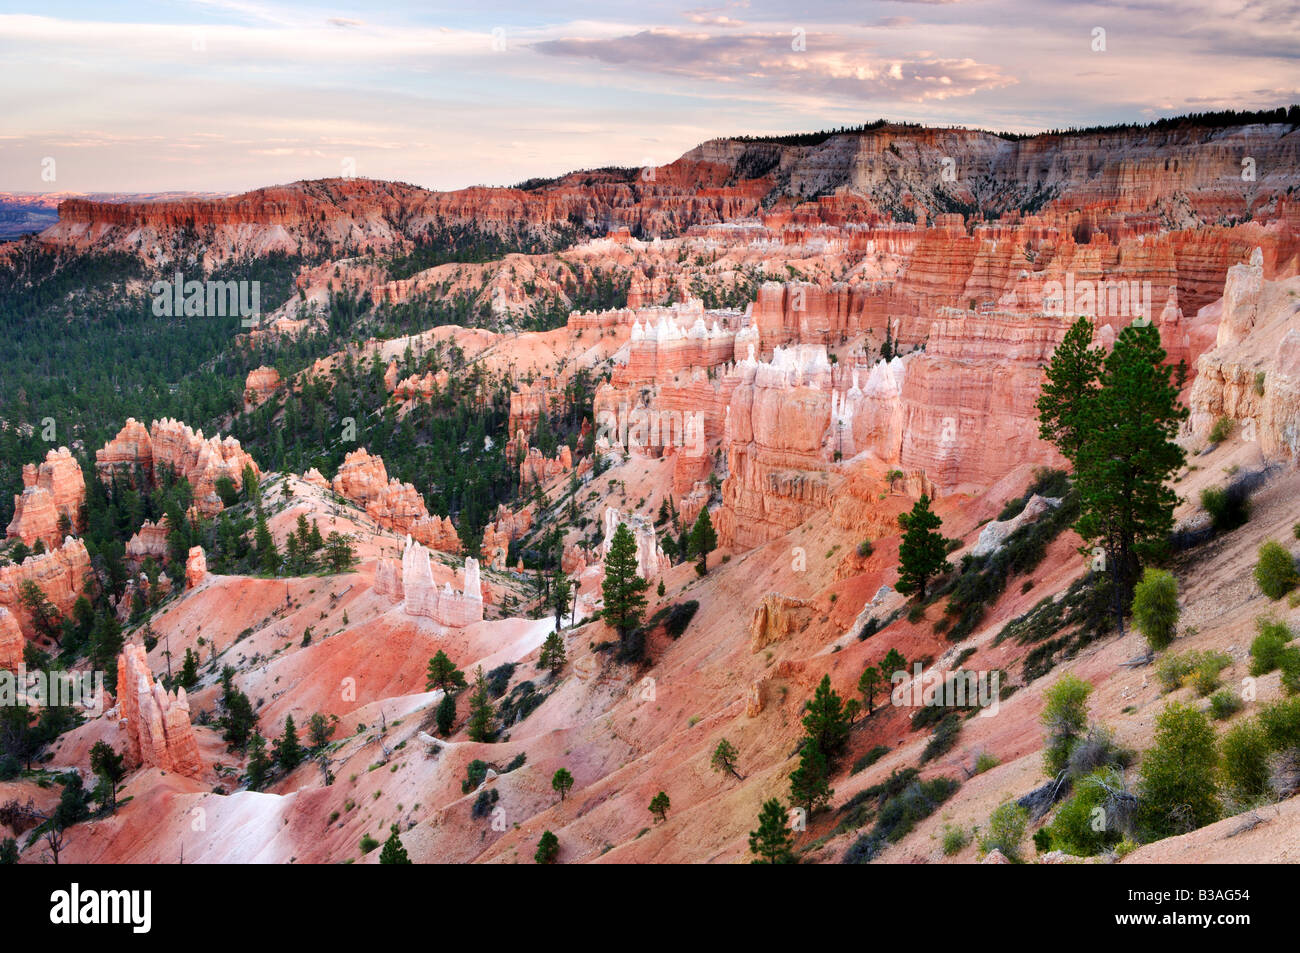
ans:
(111, 768)
(703, 539)
(1070, 382)
(825, 721)
(480, 709)
(339, 553)
(189, 676)
(552, 655)
(659, 806)
(772, 843)
(259, 765)
(562, 781)
(1127, 455)
(561, 590)
(268, 557)
(548, 849)
(45, 617)
(868, 685)
(446, 714)
(319, 730)
(288, 752)
(623, 589)
(443, 673)
(106, 642)
(393, 852)
(923, 550)
(74, 802)
(891, 663)
(724, 758)
(809, 787)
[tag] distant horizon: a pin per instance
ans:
(233, 95)
(162, 194)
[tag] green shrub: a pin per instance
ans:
(954, 840)
(1245, 753)
(1084, 825)
(1222, 429)
(1224, 704)
(1266, 649)
(1155, 607)
(986, 762)
(1178, 790)
(1199, 669)
(865, 548)
(1173, 668)
(1006, 830)
(1228, 507)
(870, 758)
(679, 617)
(1281, 723)
(1275, 572)
(1205, 676)
(901, 813)
(1288, 661)
(1065, 716)
(368, 843)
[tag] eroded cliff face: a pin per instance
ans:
(154, 721)
(182, 451)
(364, 480)
(51, 504)
(59, 573)
(1252, 374)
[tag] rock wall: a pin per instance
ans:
(155, 722)
(364, 480)
(1252, 375)
(54, 489)
(60, 574)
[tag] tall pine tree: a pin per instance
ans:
(923, 551)
(1126, 456)
(623, 589)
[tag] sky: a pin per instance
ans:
(230, 95)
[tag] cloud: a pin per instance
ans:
(812, 64)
